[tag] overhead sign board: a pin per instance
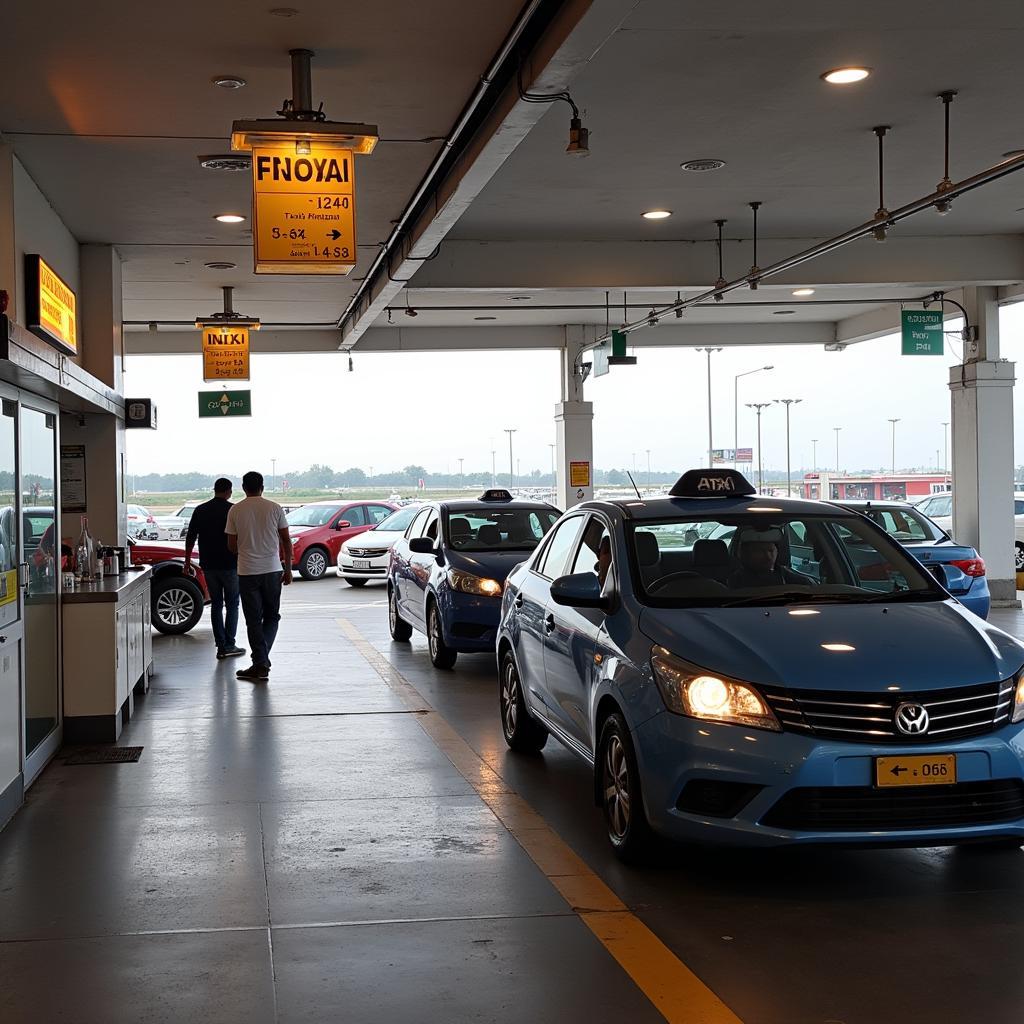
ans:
(140, 413)
(51, 308)
(922, 332)
(303, 209)
(225, 403)
(225, 353)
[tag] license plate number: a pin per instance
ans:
(915, 770)
(361, 563)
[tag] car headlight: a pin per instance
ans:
(467, 583)
(1018, 699)
(689, 690)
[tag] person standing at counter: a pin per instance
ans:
(257, 532)
(219, 565)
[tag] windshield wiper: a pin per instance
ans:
(900, 595)
(786, 597)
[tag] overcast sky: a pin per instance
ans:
(416, 408)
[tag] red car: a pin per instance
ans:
(320, 528)
(177, 599)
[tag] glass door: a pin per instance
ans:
(40, 567)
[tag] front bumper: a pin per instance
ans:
(470, 623)
(765, 766)
(377, 570)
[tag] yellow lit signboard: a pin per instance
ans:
(51, 309)
(225, 353)
(303, 209)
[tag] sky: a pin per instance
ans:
(428, 409)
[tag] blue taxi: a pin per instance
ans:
(447, 573)
(758, 671)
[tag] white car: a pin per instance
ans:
(939, 509)
(365, 556)
(142, 525)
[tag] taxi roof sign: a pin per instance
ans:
(712, 483)
(495, 494)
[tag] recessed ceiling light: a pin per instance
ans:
(485, 318)
(229, 218)
(703, 164)
(225, 161)
(783, 312)
(228, 81)
(845, 76)
(802, 292)
(220, 266)
(657, 214)
(519, 298)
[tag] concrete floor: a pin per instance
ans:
(306, 851)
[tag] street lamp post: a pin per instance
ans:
(814, 454)
(273, 475)
(461, 482)
(736, 407)
(511, 478)
(493, 477)
(787, 402)
(758, 406)
(648, 450)
(945, 450)
(711, 458)
(894, 421)
(837, 429)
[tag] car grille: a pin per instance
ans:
(862, 808)
(871, 717)
(367, 552)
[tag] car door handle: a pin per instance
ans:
(549, 623)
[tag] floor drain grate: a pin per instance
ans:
(104, 755)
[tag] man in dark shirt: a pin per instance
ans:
(759, 555)
(219, 565)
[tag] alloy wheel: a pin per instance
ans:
(392, 610)
(616, 787)
(1018, 559)
(175, 606)
(435, 633)
(510, 699)
(316, 564)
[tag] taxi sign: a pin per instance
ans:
(712, 483)
(495, 494)
(225, 353)
(303, 209)
(51, 308)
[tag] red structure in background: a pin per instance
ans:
(875, 486)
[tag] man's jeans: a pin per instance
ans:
(223, 587)
(261, 605)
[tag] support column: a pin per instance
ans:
(8, 271)
(983, 463)
(574, 428)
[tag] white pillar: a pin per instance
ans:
(983, 463)
(574, 429)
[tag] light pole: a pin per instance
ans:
(945, 450)
(648, 450)
(273, 475)
(511, 479)
(837, 429)
(757, 407)
(461, 482)
(552, 447)
(711, 458)
(634, 465)
(814, 454)
(493, 454)
(787, 402)
(736, 407)
(894, 422)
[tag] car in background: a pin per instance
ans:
(366, 556)
(939, 509)
(931, 545)
(142, 525)
(447, 572)
(176, 599)
(319, 528)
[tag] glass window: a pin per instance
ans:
(901, 523)
(312, 515)
(399, 521)
(353, 515)
(595, 553)
(498, 529)
(560, 548)
(416, 530)
(1018, 507)
(376, 514)
(941, 506)
(432, 524)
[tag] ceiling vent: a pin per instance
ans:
(703, 165)
(220, 266)
(226, 162)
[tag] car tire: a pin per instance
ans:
(522, 732)
(622, 802)
(401, 631)
(441, 655)
(314, 564)
(177, 604)
(355, 581)
(1018, 557)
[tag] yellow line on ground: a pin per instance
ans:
(679, 995)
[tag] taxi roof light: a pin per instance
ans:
(495, 494)
(712, 483)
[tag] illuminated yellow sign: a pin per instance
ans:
(51, 309)
(225, 353)
(304, 210)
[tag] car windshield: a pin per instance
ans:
(312, 515)
(761, 559)
(399, 520)
(503, 529)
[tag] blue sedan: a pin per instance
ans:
(447, 573)
(756, 671)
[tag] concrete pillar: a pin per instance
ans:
(574, 429)
(983, 463)
(101, 313)
(8, 267)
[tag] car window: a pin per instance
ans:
(1018, 507)
(940, 507)
(432, 524)
(416, 530)
(376, 514)
(560, 548)
(595, 551)
(312, 515)
(498, 529)
(353, 515)
(399, 520)
(902, 524)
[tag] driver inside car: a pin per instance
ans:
(759, 555)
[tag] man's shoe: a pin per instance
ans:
(255, 672)
(220, 654)
(232, 652)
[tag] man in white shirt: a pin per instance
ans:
(257, 532)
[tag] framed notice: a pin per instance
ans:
(579, 474)
(72, 478)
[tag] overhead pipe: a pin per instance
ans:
(990, 174)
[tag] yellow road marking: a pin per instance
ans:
(679, 995)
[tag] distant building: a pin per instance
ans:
(877, 486)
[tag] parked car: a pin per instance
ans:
(320, 528)
(142, 525)
(177, 600)
(939, 509)
(931, 545)
(365, 557)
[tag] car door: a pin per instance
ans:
(401, 568)
(355, 517)
(421, 568)
(571, 636)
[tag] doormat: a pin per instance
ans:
(104, 755)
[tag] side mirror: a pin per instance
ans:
(342, 524)
(581, 590)
(422, 546)
(946, 575)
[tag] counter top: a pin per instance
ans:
(110, 588)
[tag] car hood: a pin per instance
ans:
(150, 551)
(373, 539)
(913, 646)
(296, 531)
(493, 565)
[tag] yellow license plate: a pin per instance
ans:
(915, 770)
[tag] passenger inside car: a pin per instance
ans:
(759, 556)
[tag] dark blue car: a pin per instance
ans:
(447, 573)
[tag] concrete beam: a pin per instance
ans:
(902, 260)
(165, 343)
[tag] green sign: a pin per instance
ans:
(922, 332)
(225, 403)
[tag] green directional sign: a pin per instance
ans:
(225, 403)
(922, 332)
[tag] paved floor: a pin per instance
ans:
(326, 848)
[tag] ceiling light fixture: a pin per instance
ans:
(657, 214)
(942, 207)
(881, 214)
(225, 162)
(846, 76)
(485, 318)
(579, 137)
(227, 317)
(703, 164)
(803, 292)
(755, 271)
(409, 311)
(229, 218)
(721, 282)
(783, 312)
(228, 81)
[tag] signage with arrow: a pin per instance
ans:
(225, 403)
